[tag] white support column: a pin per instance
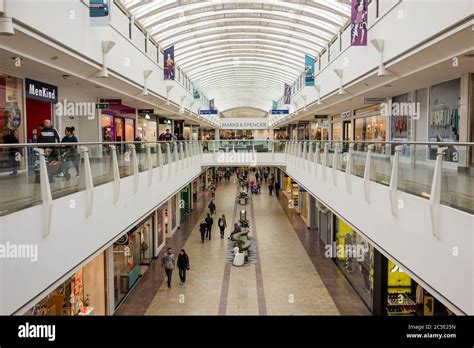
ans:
(349, 165)
(394, 181)
(335, 164)
(160, 160)
(317, 155)
(169, 160)
(325, 160)
(368, 172)
(134, 163)
(46, 197)
(149, 164)
(116, 173)
(89, 183)
(435, 197)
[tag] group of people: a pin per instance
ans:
(205, 228)
(168, 263)
(167, 136)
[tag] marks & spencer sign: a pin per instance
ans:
(244, 123)
(41, 91)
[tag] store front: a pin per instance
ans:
(12, 120)
(133, 254)
(319, 129)
(185, 203)
(161, 226)
(84, 293)
(281, 133)
(291, 190)
(355, 258)
(147, 126)
(303, 130)
(118, 122)
(164, 124)
(303, 206)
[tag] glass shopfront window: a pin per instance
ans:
(12, 121)
(355, 257)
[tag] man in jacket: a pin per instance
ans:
(212, 207)
(183, 265)
(48, 134)
(203, 229)
(209, 222)
(222, 225)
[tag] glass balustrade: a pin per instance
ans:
(65, 165)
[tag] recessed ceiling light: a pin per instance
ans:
(388, 86)
(54, 58)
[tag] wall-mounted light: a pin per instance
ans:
(379, 46)
(339, 73)
(104, 71)
(146, 75)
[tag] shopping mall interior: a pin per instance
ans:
(246, 159)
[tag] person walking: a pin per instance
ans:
(203, 229)
(270, 188)
(277, 188)
(48, 133)
(222, 225)
(212, 207)
(11, 138)
(183, 265)
(209, 222)
(168, 264)
(265, 175)
(71, 151)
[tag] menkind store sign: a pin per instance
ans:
(41, 91)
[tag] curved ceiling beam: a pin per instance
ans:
(257, 66)
(331, 10)
(281, 26)
(193, 19)
(216, 44)
(285, 56)
(243, 35)
(239, 77)
(243, 60)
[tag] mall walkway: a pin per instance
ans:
(283, 281)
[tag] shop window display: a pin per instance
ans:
(355, 257)
(444, 116)
(126, 265)
(11, 120)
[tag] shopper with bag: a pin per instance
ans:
(222, 225)
(183, 265)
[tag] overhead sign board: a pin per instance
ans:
(208, 112)
(244, 123)
(280, 112)
(41, 91)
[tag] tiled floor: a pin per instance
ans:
(291, 276)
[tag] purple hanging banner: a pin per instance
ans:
(168, 68)
(359, 23)
(287, 94)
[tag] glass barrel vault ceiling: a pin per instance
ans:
(241, 51)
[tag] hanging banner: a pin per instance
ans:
(99, 12)
(359, 23)
(287, 95)
(309, 70)
(274, 104)
(197, 90)
(211, 104)
(169, 63)
(280, 112)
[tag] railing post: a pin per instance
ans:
(149, 164)
(160, 160)
(350, 162)
(303, 153)
(115, 172)
(181, 155)
(310, 156)
(273, 150)
(46, 197)
(175, 156)
(325, 160)
(169, 161)
(368, 172)
(89, 183)
(134, 168)
(317, 155)
(435, 197)
(394, 181)
(335, 163)
(187, 154)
